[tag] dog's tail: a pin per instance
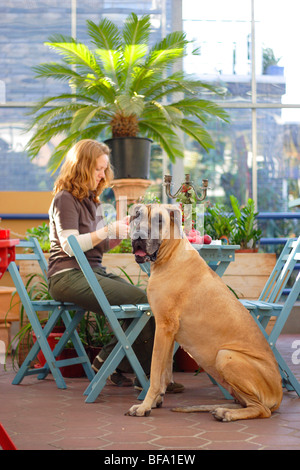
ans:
(204, 408)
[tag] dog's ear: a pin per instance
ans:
(175, 214)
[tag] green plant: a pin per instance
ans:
(219, 221)
(269, 58)
(42, 234)
(123, 247)
(245, 232)
(94, 331)
(121, 88)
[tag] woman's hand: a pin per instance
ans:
(118, 229)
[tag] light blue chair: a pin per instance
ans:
(271, 303)
(140, 315)
(57, 311)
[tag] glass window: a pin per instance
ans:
(18, 172)
(222, 33)
(277, 61)
(278, 161)
(228, 166)
(25, 26)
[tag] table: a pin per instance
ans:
(7, 252)
(218, 257)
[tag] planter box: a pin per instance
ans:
(5, 334)
(5, 298)
(248, 274)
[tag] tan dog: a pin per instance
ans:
(194, 307)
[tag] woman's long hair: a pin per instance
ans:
(77, 172)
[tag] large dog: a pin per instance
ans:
(194, 307)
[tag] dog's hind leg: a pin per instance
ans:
(248, 384)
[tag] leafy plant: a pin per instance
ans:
(94, 331)
(121, 88)
(245, 232)
(123, 247)
(219, 221)
(42, 234)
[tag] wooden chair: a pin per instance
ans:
(271, 304)
(140, 314)
(57, 311)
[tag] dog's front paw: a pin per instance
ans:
(138, 410)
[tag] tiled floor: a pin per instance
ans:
(37, 415)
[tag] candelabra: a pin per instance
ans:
(186, 184)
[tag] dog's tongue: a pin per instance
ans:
(140, 253)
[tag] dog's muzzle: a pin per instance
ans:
(139, 248)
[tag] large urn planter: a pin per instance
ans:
(130, 156)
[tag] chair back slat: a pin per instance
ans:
(36, 254)
(282, 271)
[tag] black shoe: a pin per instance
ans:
(173, 387)
(116, 378)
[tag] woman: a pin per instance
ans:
(76, 210)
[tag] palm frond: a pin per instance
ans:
(194, 106)
(197, 132)
(65, 145)
(75, 53)
(107, 38)
(166, 51)
(165, 136)
(137, 30)
(83, 117)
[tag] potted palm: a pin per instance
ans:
(122, 91)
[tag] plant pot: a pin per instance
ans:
(185, 362)
(53, 339)
(74, 371)
(130, 157)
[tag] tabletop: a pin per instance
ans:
(218, 257)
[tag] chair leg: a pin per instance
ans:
(115, 357)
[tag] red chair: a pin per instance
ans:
(5, 441)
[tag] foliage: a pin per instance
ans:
(121, 88)
(42, 234)
(123, 247)
(237, 223)
(245, 232)
(93, 330)
(219, 222)
(269, 58)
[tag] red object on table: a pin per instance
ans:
(5, 441)
(7, 250)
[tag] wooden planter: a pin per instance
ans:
(5, 299)
(115, 262)
(248, 274)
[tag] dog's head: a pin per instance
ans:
(150, 225)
